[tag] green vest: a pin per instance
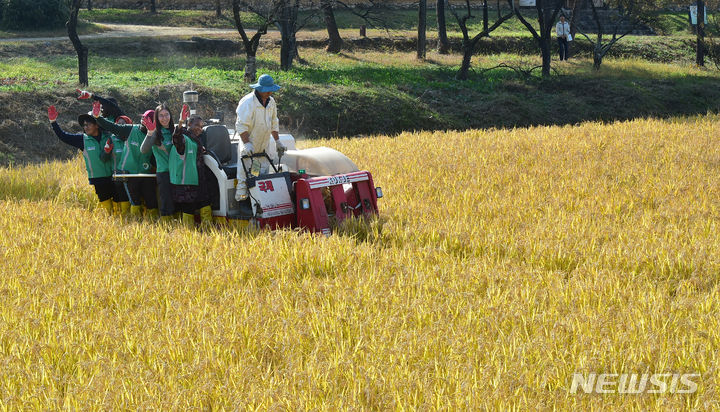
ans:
(163, 151)
(93, 153)
(117, 152)
(134, 161)
(183, 169)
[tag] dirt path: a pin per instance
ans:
(130, 30)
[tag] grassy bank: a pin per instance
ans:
(358, 92)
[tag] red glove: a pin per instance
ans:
(184, 114)
(52, 113)
(83, 94)
(96, 109)
(108, 146)
(149, 123)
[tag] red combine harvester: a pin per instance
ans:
(308, 189)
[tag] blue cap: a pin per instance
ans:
(265, 84)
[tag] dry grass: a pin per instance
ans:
(503, 261)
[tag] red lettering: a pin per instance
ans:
(266, 186)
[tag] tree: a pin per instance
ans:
(547, 11)
(153, 9)
(218, 8)
(89, 7)
(82, 51)
(630, 14)
(700, 44)
(422, 29)
(443, 43)
(251, 44)
(486, 18)
(470, 44)
(288, 26)
(335, 42)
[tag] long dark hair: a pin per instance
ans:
(158, 126)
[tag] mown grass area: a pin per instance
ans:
(668, 23)
(180, 18)
(502, 262)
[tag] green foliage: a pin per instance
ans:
(33, 14)
(186, 18)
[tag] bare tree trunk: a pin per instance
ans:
(250, 44)
(335, 41)
(82, 51)
(287, 22)
(700, 47)
(250, 67)
(470, 44)
(597, 59)
(545, 51)
(443, 44)
(485, 15)
(89, 7)
(218, 8)
(546, 12)
(467, 58)
(153, 9)
(422, 29)
(577, 6)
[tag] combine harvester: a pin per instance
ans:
(308, 188)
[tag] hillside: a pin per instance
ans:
(350, 94)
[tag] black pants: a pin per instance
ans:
(190, 208)
(104, 188)
(141, 190)
(119, 193)
(167, 206)
(563, 46)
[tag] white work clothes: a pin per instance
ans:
(562, 29)
(259, 121)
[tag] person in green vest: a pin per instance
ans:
(159, 140)
(121, 202)
(95, 145)
(189, 174)
(110, 110)
(133, 161)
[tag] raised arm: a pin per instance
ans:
(147, 144)
(73, 139)
(108, 105)
(120, 130)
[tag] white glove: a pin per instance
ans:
(248, 149)
(241, 192)
(281, 149)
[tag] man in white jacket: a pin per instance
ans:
(257, 120)
(562, 31)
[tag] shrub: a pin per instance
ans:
(33, 14)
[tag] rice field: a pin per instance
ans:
(503, 261)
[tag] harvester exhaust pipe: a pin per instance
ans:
(190, 98)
